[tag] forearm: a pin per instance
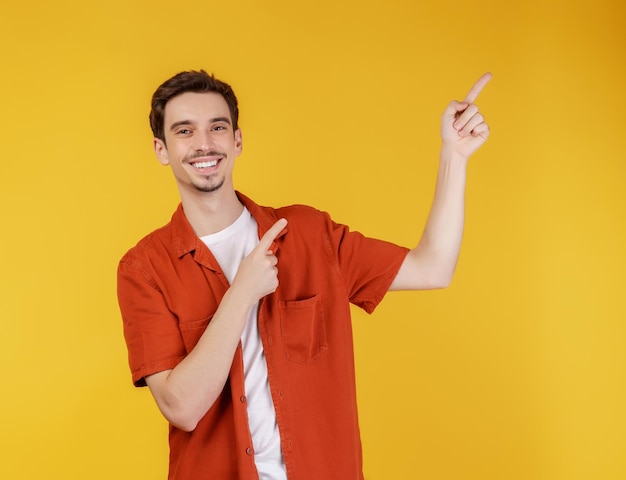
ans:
(440, 243)
(432, 262)
(187, 392)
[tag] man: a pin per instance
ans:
(236, 316)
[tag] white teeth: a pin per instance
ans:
(210, 164)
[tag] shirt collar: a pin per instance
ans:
(265, 217)
(185, 240)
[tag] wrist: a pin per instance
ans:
(237, 297)
(449, 155)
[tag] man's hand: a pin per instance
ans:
(463, 128)
(257, 275)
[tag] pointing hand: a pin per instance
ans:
(258, 275)
(463, 127)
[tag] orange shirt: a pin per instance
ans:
(169, 287)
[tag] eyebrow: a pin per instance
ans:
(175, 125)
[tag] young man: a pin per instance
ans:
(237, 316)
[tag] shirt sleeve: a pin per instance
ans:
(368, 265)
(151, 331)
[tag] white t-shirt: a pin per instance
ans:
(229, 247)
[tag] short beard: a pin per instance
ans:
(210, 188)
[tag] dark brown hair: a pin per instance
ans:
(190, 81)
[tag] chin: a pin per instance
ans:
(209, 188)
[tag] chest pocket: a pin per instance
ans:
(303, 329)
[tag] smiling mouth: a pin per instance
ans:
(206, 164)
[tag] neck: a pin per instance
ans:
(209, 213)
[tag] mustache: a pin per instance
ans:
(209, 153)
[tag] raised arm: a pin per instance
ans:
(432, 262)
(185, 393)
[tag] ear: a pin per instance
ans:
(238, 142)
(160, 151)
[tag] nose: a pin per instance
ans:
(204, 141)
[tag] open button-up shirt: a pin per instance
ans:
(169, 287)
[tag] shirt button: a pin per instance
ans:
(243, 399)
(281, 394)
(249, 451)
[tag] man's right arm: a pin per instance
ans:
(185, 393)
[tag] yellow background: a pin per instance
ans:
(515, 372)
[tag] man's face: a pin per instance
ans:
(201, 144)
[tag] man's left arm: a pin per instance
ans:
(432, 262)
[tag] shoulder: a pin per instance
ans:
(150, 244)
(305, 217)
(173, 239)
(307, 220)
(157, 252)
(294, 212)
(301, 213)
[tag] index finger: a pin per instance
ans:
(478, 86)
(266, 242)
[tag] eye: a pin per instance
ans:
(219, 127)
(183, 131)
